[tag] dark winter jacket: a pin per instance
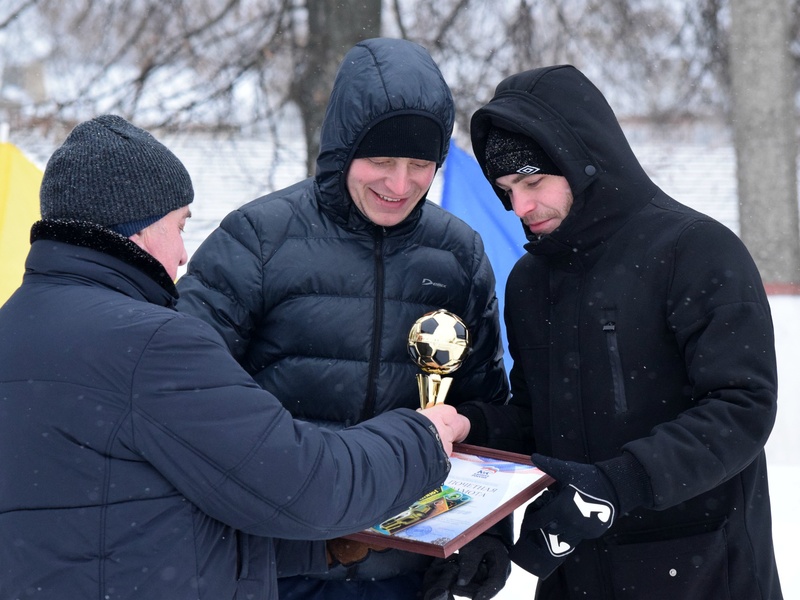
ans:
(641, 335)
(316, 302)
(140, 461)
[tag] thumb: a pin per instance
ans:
(557, 469)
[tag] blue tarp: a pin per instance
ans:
(467, 194)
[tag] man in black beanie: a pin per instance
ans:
(139, 460)
(515, 163)
(315, 288)
(644, 375)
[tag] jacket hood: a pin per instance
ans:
(378, 78)
(563, 112)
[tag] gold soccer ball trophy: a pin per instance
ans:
(438, 342)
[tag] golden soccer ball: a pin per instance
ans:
(438, 342)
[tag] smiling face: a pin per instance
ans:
(164, 240)
(541, 201)
(386, 189)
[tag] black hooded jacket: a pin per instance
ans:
(642, 340)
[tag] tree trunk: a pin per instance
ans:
(334, 26)
(764, 126)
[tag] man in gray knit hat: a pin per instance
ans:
(119, 177)
(139, 459)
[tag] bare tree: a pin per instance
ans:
(249, 66)
(238, 65)
(223, 65)
(765, 128)
(648, 55)
(334, 26)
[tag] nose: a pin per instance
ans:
(522, 203)
(184, 257)
(398, 180)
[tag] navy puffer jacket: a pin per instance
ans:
(139, 460)
(315, 301)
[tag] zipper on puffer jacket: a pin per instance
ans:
(377, 327)
(617, 376)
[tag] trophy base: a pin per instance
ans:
(432, 389)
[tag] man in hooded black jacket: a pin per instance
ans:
(644, 375)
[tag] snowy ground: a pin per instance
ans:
(783, 455)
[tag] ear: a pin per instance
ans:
(138, 239)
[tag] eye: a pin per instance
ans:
(533, 181)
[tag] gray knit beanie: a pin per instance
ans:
(113, 174)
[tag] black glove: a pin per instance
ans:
(581, 505)
(439, 578)
(478, 570)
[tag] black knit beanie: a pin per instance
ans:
(508, 152)
(405, 136)
(113, 174)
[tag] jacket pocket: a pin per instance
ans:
(688, 568)
(248, 586)
(617, 376)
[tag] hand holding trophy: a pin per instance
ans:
(438, 342)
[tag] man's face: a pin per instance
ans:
(164, 240)
(386, 190)
(541, 201)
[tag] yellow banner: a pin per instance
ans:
(19, 209)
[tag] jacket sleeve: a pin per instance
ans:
(231, 449)
(223, 282)
(507, 426)
(482, 377)
(721, 319)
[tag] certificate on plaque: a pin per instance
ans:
(483, 486)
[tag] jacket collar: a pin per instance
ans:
(118, 262)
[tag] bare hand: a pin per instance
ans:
(452, 427)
